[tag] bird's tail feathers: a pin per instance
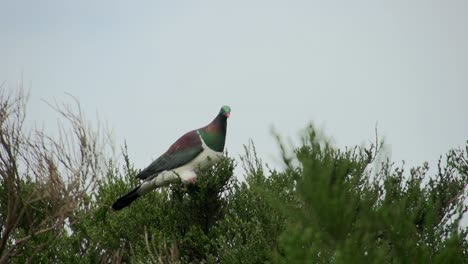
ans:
(126, 200)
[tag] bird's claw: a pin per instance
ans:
(192, 180)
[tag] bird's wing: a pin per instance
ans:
(185, 149)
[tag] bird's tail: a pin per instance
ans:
(126, 200)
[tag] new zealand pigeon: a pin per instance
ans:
(195, 149)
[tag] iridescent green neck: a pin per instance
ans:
(214, 135)
(214, 141)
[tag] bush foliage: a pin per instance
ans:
(326, 205)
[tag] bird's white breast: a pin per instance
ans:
(205, 158)
(185, 172)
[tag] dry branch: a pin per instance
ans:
(43, 179)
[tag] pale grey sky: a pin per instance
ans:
(156, 69)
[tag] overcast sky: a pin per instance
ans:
(154, 70)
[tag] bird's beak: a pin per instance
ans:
(228, 115)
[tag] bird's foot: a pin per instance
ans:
(192, 180)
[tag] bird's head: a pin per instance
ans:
(225, 111)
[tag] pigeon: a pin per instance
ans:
(194, 150)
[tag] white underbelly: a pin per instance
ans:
(203, 160)
(184, 173)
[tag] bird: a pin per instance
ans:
(194, 150)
